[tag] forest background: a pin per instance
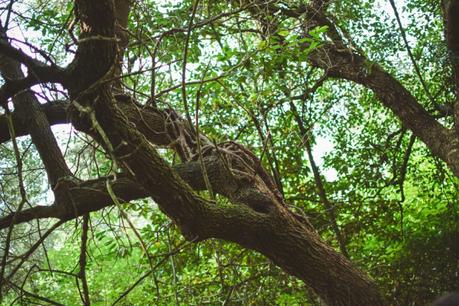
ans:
(229, 152)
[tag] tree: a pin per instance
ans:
(113, 91)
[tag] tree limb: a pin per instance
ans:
(342, 62)
(264, 224)
(29, 113)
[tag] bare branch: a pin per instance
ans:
(82, 261)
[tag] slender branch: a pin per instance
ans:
(31, 250)
(38, 72)
(402, 176)
(160, 263)
(305, 136)
(23, 194)
(410, 54)
(184, 62)
(126, 217)
(199, 140)
(82, 261)
(33, 295)
(174, 273)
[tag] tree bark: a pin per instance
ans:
(257, 217)
(263, 223)
(29, 117)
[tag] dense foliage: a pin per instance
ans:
(368, 185)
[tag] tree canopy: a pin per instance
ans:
(245, 152)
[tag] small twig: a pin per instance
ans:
(224, 160)
(58, 272)
(100, 131)
(8, 15)
(82, 262)
(174, 273)
(26, 255)
(162, 261)
(125, 216)
(33, 295)
(401, 180)
(265, 146)
(22, 191)
(410, 54)
(185, 55)
(198, 140)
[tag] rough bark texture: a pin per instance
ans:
(264, 224)
(29, 117)
(451, 21)
(257, 217)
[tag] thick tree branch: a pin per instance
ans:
(451, 22)
(29, 113)
(92, 195)
(342, 62)
(451, 18)
(96, 54)
(348, 65)
(122, 10)
(87, 197)
(55, 111)
(264, 224)
(12, 87)
(41, 71)
(38, 72)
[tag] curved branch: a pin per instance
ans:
(347, 65)
(29, 113)
(41, 71)
(342, 62)
(264, 224)
(55, 112)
